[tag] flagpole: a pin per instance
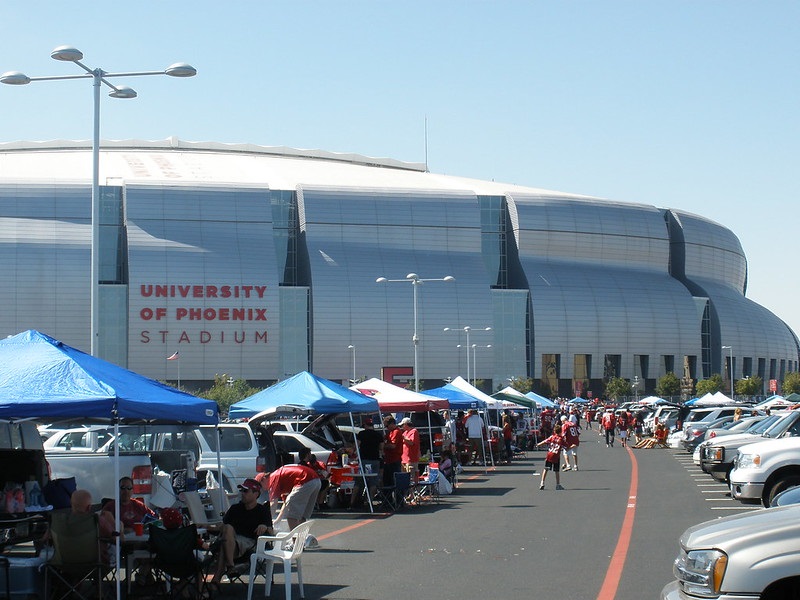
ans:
(176, 356)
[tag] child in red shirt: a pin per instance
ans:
(552, 462)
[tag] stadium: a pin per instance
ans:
(260, 262)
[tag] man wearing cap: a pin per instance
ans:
(242, 525)
(411, 448)
(300, 486)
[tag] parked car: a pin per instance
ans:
(291, 442)
(65, 440)
(733, 427)
(707, 413)
(696, 432)
(749, 555)
(787, 497)
(717, 458)
(765, 469)
(666, 414)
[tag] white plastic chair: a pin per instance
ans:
(288, 548)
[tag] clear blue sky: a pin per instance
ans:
(683, 104)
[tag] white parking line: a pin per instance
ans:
(720, 491)
(742, 508)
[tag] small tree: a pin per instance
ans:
(618, 387)
(668, 385)
(227, 391)
(709, 386)
(522, 384)
(749, 386)
(791, 384)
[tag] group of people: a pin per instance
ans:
(562, 445)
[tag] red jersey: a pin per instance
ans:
(555, 444)
(570, 433)
(609, 420)
(622, 420)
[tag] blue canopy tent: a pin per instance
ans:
(41, 377)
(304, 389)
(540, 400)
(307, 390)
(459, 399)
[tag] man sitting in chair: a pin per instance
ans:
(242, 525)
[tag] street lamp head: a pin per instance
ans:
(381, 280)
(67, 53)
(14, 78)
(122, 91)
(351, 347)
(180, 70)
(449, 278)
(412, 276)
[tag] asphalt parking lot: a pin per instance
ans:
(611, 533)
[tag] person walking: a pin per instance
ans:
(552, 462)
(475, 431)
(608, 423)
(571, 433)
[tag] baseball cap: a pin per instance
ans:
(250, 484)
(171, 518)
(405, 421)
(563, 418)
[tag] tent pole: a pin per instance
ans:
(118, 536)
(361, 464)
(219, 469)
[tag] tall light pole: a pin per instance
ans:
(415, 281)
(467, 329)
(474, 361)
(352, 348)
(731, 369)
(98, 76)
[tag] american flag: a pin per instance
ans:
(174, 356)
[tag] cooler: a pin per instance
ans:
(19, 576)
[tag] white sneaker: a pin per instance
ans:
(541, 487)
(567, 469)
(576, 468)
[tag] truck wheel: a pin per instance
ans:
(787, 589)
(780, 486)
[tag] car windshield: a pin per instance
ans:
(780, 426)
(762, 425)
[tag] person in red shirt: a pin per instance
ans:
(411, 449)
(552, 462)
(623, 420)
(300, 486)
(547, 422)
(608, 423)
(131, 510)
(571, 434)
(392, 450)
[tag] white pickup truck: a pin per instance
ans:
(763, 470)
(87, 454)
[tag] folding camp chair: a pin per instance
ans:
(175, 560)
(427, 488)
(394, 496)
(78, 567)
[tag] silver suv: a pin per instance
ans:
(750, 555)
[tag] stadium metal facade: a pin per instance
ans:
(262, 262)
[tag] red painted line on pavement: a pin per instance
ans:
(346, 529)
(614, 573)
